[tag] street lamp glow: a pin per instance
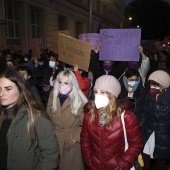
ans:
(130, 18)
(138, 26)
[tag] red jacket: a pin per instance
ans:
(84, 83)
(103, 148)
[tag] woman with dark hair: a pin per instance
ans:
(27, 138)
(132, 89)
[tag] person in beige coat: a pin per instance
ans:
(65, 108)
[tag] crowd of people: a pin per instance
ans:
(57, 116)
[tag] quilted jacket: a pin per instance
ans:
(158, 120)
(103, 147)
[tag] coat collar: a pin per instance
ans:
(64, 106)
(165, 99)
(20, 114)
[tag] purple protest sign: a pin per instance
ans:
(120, 44)
(93, 38)
(83, 37)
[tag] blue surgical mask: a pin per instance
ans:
(52, 64)
(132, 83)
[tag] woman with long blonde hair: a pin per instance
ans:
(102, 136)
(65, 108)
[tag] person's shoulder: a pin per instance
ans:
(87, 80)
(43, 122)
(131, 119)
(129, 113)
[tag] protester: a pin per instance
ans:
(102, 135)
(108, 68)
(83, 81)
(65, 108)
(132, 89)
(11, 63)
(27, 137)
(163, 59)
(50, 76)
(156, 133)
(142, 66)
(28, 75)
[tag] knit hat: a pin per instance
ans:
(161, 77)
(109, 84)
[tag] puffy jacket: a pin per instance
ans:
(158, 121)
(103, 147)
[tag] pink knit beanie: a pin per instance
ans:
(161, 77)
(109, 84)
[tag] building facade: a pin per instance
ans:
(29, 19)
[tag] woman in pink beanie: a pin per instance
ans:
(102, 136)
(156, 129)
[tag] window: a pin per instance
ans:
(95, 4)
(13, 23)
(35, 23)
(79, 28)
(62, 23)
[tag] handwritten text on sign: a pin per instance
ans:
(93, 38)
(120, 44)
(73, 51)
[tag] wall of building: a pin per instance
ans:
(54, 15)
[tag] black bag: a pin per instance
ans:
(137, 166)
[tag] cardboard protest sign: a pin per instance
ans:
(73, 51)
(120, 44)
(35, 49)
(36, 44)
(93, 38)
(55, 37)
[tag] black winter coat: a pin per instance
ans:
(139, 95)
(158, 121)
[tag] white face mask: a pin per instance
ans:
(101, 101)
(52, 64)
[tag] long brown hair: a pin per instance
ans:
(27, 98)
(111, 109)
(115, 106)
